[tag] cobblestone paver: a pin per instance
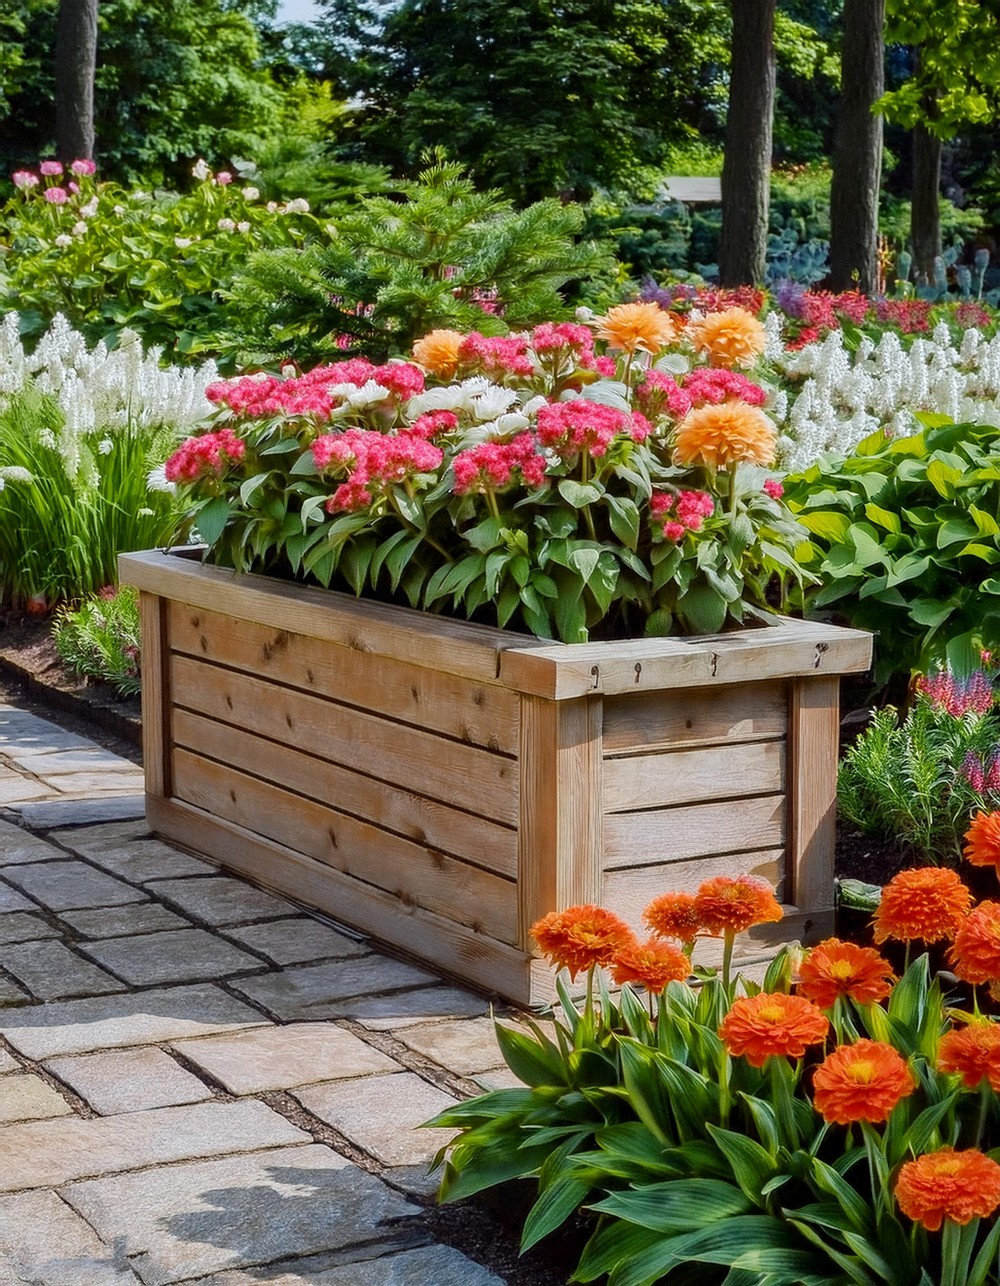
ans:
(199, 1082)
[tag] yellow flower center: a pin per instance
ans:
(772, 1013)
(841, 970)
(862, 1072)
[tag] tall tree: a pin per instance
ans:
(76, 64)
(857, 161)
(746, 170)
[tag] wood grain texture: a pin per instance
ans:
(693, 830)
(636, 782)
(646, 721)
(153, 643)
(813, 733)
(628, 892)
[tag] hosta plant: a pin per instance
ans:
(832, 1127)
(576, 480)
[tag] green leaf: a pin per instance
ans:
(943, 477)
(554, 1206)
(532, 1060)
(883, 518)
(579, 494)
(676, 1205)
(828, 525)
(624, 519)
(211, 520)
(703, 609)
(752, 1167)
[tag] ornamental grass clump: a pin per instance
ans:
(832, 1126)
(607, 479)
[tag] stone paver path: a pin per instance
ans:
(199, 1082)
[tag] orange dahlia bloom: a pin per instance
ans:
(437, 352)
(975, 952)
(861, 1082)
(726, 905)
(982, 840)
(758, 1026)
(973, 1052)
(960, 1186)
(637, 326)
(580, 937)
(673, 915)
(652, 964)
(929, 903)
(724, 435)
(836, 968)
(730, 338)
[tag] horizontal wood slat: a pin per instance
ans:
(659, 720)
(426, 822)
(693, 830)
(689, 776)
(412, 874)
(418, 761)
(629, 892)
(482, 714)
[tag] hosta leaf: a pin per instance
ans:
(677, 1205)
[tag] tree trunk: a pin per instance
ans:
(925, 219)
(746, 170)
(76, 61)
(857, 164)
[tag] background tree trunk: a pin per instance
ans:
(746, 170)
(925, 219)
(857, 162)
(76, 61)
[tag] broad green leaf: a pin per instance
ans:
(752, 1167)
(703, 608)
(943, 477)
(579, 494)
(212, 518)
(883, 518)
(828, 525)
(676, 1205)
(554, 1206)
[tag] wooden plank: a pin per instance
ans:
(424, 821)
(564, 671)
(415, 875)
(732, 771)
(629, 892)
(457, 647)
(473, 959)
(693, 830)
(643, 721)
(155, 693)
(482, 714)
(813, 732)
(559, 842)
(460, 775)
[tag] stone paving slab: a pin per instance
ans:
(221, 900)
(424, 1266)
(50, 971)
(14, 787)
(129, 1080)
(88, 840)
(273, 1058)
(24, 1097)
(24, 927)
(141, 860)
(317, 991)
(92, 786)
(298, 941)
(381, 1115)
(206, 1217)
(48, 813)
(187, 955)
(44, 762)
(70, 885)
(21, 732)
(467, 1046)
(11, 900)
(11, 994)
(408, 1008)
(110, 1022)
(45, 1243)
(48, 1154)
(17, 846)
(122, 921)
(8, 1063)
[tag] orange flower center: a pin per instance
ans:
(862, 1072)
(948, 1166)
(841, 969)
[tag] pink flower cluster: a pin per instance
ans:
(910, 315)
(824, 309)
(572, 427)
(660, 392)
(372, 459)
(495, 356)
(431, 423)
(563, 337)
(56, 196)
(982, 777)
(681, 512)
(209, 454)
(491, 465)
(712, 384)
(310, 394)
(773, 488)
(23, 180)
(958, 697)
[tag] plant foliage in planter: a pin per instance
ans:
(568, 483)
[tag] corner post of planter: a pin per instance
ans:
(155, 695)
(813, 735)
(560, 855)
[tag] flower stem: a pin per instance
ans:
(727, 962)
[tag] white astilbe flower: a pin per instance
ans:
(156, 480)
(15, 473)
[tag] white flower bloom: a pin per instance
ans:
(15, 473)
(156, 480)
(105, 446)
(144, 512)
(90, 209)
(271, 207)
(141, 196)
(297, 206)
(200, 169)
(182, 243)
(63, 240)
(119, 209)
(226, 225)
(250, 193)
(79, 228)
(243, 226)
(492, 402)
(369, 394)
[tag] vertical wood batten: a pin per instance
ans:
(813, 732)
(156, 754)
(560, 846)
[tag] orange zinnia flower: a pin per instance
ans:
(724, 435)
(836, 968)
(929, 903)
(673, 915)
(758, 1026)
(580, 937)
(724, 905)
(960, 1186)
(731, 338)
(861, 1082)
(973, 1052)
(437, 352)
(652, 964)
(975, 953)
(982, 847)
(637, 326)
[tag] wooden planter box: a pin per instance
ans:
(441, 785)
